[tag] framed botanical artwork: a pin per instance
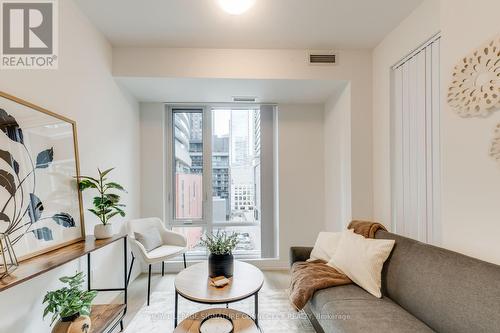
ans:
(40, 204)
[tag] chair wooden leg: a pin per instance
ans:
(149, 283)
(162, 268)
(184, 255)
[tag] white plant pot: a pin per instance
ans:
(102, 231)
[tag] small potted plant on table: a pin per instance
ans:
(220, 246)
(71, 305)
(106, 204)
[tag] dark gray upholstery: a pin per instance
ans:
(298, 253)
(448, 291)
(425, 289)
(351, 309)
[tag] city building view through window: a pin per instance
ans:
(233, 176)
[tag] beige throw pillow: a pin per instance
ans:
(325, 246)
(362, 259)
(149, 238)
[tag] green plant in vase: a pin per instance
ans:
(220, 259)
(106, 203)
(71, 305)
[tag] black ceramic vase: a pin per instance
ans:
(220, 265)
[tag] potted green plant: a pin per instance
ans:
(106, 204)
(71, 305)
(220, 246)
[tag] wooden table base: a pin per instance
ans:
(242, 322)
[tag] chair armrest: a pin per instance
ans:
(139, 247)
(173, 238)
(299, 253)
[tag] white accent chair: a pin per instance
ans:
(174, 244)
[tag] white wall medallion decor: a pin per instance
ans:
(475, 87)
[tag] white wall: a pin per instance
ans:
(422, 24)
(337, 156)
(153, 159)
(108, 129)
(470, 178)
(301, 175)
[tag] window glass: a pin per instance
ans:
(188, 164)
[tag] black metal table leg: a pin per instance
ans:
(257, 308)
(130, 269)
(125, 278)
(149, 282)
(88, 271)
(176, 308)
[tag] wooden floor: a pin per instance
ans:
(137, 291)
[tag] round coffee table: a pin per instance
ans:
(193, 284)
(242, 323)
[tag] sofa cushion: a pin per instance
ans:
(348, 291)
(351, 309)
(450, 292)
(362, 259)
(325, 246)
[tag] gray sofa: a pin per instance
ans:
(425, 289)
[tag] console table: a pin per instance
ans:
(105, 317)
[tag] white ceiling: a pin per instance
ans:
(179, 90)
(275, 24)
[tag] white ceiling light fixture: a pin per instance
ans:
(236, 7)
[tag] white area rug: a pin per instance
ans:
(275, 313)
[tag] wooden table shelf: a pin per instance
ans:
(105, 317)
(33, 267)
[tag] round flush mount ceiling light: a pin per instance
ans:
(236, 7)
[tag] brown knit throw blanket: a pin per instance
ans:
(308, 277)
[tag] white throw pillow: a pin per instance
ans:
(362, 259)
(325, 246)
(149, 238)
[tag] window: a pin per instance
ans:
(415, 143)
(188, 164)
(217, 157)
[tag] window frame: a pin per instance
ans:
(170, 166)
(207, 222)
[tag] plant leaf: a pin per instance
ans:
(7, 181)
(64, 219)
(35, 208)
(98, 214)
(115, 186)
(113, 198)
(88, 178)
(110, 215)
(7, 157)
(119, 210)
(85, 184)
(44, 158)
(10, 127)
(43, 234)
(4, 217)
(105, 172)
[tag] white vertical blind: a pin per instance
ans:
(415, 143)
